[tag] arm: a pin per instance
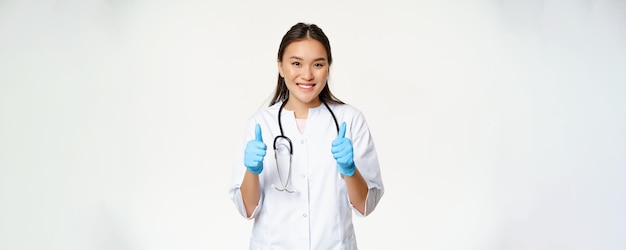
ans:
(250, 188)
(250, 192)
(364, 184)
(357, 190)
(357, 187)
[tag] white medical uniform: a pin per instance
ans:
(318, 215)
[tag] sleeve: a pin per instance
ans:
(235, 196)
(366, 160)
(238, 172)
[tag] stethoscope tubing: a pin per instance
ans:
(280, 124)
(282, 136)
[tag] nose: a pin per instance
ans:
(307, 74)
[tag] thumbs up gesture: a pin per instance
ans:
(255, 152)
(343, 153)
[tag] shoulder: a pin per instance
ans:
(348, 113)
(346, 110)
(265, 112)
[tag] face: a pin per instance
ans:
(305, 70)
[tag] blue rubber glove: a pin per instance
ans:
(343, 153)
(255, 151)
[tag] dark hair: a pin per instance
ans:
(299, 32)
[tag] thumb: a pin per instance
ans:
(257, 131)
(342, 131)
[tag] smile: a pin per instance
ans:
(306, 86)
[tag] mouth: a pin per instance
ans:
(306, 85)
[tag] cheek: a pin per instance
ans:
(322, 75)
(290, 73)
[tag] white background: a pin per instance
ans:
(499, 124)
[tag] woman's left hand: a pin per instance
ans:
(343, 152)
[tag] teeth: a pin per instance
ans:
(305, 86)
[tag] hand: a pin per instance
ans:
(343, 153)
(255, 151)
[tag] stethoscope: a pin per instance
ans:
(282, 136)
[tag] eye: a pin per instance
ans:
(319, 65)
(295, 63)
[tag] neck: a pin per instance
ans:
(301, 110)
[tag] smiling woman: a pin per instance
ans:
(499, 125)
(305, 73)
(337, 165)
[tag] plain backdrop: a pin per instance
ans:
(499, 124)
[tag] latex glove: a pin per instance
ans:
(343, 153)
(255, 151)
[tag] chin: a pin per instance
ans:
(307, 99)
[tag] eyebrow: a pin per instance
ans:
(298, 58)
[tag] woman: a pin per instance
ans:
(305, 201)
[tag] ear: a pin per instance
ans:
(280, 68)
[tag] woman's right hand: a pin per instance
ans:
(255, 152)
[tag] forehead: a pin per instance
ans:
(305, 49)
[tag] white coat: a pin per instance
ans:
(318, 215)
